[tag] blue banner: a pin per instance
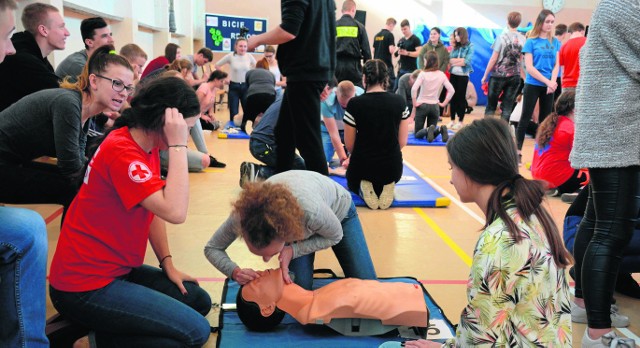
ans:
(221, 31)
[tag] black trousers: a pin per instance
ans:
(530, 95)
(299, 127)
(603, 235)
(256, 104)
(459, 100)
(37, 183)
(349, 69)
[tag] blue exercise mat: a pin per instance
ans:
(411, 191)
(230, 131)
(411, 140)
(290, 333)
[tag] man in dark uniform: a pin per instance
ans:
(384, 46)
(352, 45)
(408, 48)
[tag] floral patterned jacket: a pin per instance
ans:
(517, 295)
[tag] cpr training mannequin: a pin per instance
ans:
(381, 306)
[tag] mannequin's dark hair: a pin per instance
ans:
(486, 153)
(150, 102)
(250, 315)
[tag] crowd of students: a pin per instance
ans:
(116, 199)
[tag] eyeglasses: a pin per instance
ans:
(118, 85)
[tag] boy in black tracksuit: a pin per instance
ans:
(307, 57)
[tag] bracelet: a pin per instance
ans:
(164, 258)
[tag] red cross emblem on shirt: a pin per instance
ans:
(139, 172)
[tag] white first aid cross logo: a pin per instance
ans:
(139, 172)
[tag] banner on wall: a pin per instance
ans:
(221, 31)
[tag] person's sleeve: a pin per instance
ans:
(497, 45)
(445, 60)
(247, 77)
(325, 110)
(252, 61)
(495, 287)
(67, 127)
(528, 46)
(326, 231)
(292, 12)
(133, 177)
(364, 43)
(560, 60)
(421, 54)
(215, 250)
(402, 88)
(348, 117)
(226, 59)
(34, 77)
(469, 56)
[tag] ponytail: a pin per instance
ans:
(564, 106)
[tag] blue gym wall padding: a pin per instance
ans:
(482, 40)
(235, 135)
(411, 191)
(412, 140)
(290, 333)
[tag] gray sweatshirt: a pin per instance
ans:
(607, 115)
(325, 204)
(45, 123)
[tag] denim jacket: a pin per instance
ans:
(465, 52)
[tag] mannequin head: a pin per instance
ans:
(256, 301)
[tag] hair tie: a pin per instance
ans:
(113, 52)
(515, 177)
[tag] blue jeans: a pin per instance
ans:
(141, 309)
(327, 145)
(267, 154)
(352, 254)
(23, 267)
(237, 95)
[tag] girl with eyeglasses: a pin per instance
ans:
(54, 123)
(270, 56)
(98, 277)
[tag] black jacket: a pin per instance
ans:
(25, 72)
(311, 56)
(352, 40)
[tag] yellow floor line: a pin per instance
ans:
(456, 249)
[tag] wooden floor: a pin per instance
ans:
(434, 245)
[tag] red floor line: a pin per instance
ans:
(53, 216)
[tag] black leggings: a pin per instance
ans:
(459, 99)
(530, 95)
(603, 235)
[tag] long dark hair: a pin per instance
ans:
(375, 72)
(150, 102)
(564, 106)
(463, 34)
(486, 153)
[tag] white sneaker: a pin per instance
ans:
(386, 196)
(457, 126)
(450, 124)
(579, 315)
(609, 340)
(248, 173)
(369, 195)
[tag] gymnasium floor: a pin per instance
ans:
(434, 245)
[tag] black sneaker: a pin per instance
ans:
(213, 162)
(431, 133)
(445, 133)
(569, 197)
(468, 110)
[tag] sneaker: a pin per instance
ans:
(468, 110)
(568, 197)
(444, 132)
(248, 128)
(386, 196)
(421, 134)
(607, 340)
(213, 162)
(215, 125)
(579, 315)
(248, 173)
(431, 133)
(369, 195)
(553, 193)
(457, 126)
(450, 124)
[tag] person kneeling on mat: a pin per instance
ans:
(378, 307)
(293, 214)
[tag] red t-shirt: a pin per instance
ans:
(154, 65)
(106, 230)
(570, 58)
(551, 163)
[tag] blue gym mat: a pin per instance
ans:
(290, 333)
(230, 131)
(423, 142)
(411, 191)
